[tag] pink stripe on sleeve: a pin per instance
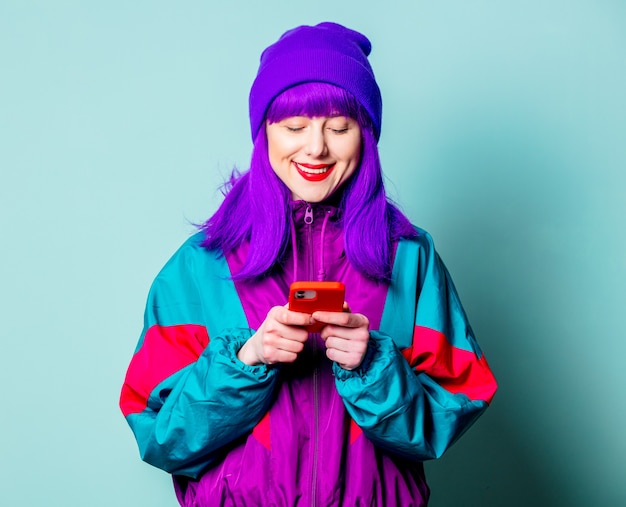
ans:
(165, 350)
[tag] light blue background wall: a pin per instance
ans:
(503, 135)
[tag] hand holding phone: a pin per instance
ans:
(308, 297)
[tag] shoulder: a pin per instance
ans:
(422, 241)
(417, 256)
(192, 259)
(193, 245)
(192, 250)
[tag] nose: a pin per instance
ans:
(316, 143)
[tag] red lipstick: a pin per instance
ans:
(313, 166)
(315, 172)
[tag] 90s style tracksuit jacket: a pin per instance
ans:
(307, 433)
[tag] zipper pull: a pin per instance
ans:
(308, 214)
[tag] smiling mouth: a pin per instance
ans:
(314, 172)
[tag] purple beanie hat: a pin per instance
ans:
(327, 53)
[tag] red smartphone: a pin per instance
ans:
(308, 297)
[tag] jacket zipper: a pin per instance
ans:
(308, 220)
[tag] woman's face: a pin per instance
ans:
(314, 156)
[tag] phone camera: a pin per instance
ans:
(300, 294)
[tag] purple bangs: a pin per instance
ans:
(317, 99)
(256, 206)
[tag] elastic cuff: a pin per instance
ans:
(230, 343)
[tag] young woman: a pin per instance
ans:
(228, 391)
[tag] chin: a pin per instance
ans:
(313, 198)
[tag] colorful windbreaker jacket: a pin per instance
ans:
(307, 433)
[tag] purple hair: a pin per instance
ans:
(256, 204)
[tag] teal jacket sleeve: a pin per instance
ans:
(185, 390)
(424, 379)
